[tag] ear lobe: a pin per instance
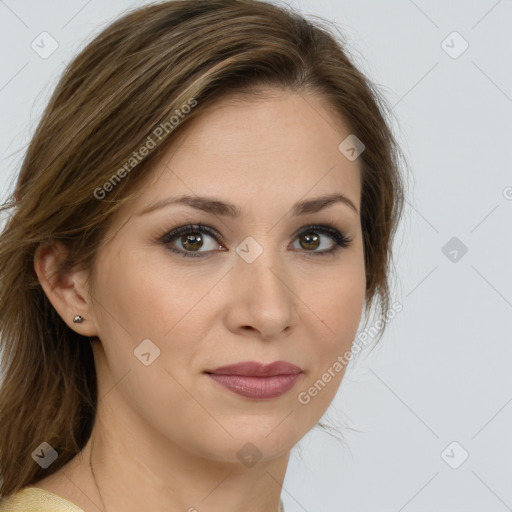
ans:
(65, 290)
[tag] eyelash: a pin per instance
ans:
(340, 239)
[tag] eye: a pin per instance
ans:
(310, 239)
(189, 240)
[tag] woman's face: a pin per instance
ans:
(260, 286)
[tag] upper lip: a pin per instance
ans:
(256, 369)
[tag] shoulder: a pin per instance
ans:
(33, 499)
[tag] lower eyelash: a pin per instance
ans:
(340, 239)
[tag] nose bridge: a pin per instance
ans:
(260, 265)
(264, 295)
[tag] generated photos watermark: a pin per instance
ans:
(362, 340)
(150, 143)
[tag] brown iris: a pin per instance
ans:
(192, 241)
(312, 240)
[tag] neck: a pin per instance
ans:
(228, 488)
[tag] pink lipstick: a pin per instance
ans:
(256, 380)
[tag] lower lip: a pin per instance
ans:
(257, 388)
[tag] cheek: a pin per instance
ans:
(148, 298)
(343, 305)
(145, 295)
(138, 301)
(339, 303)
(339, 308)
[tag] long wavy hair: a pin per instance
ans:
(122, 92)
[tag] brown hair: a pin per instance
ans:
(128, 81)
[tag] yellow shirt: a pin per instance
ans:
(33, 499)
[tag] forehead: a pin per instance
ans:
(257, 152)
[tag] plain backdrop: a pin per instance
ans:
(431, 405)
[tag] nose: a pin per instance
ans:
(262, 300)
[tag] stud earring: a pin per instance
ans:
(78, 319)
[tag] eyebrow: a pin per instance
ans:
(217, 207)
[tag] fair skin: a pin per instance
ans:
(166, 436)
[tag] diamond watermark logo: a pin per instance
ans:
(249, 249)
(454, 249)
(454, 455)
(351, 147)
(146, 352)
(45, 455)
(44, 45)
(454, 45)
(248, 455)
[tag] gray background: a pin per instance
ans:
(442, 371)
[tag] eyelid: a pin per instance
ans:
(185, 228)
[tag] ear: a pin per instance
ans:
(68, 291)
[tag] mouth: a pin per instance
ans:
(255, 380)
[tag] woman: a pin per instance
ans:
(207, 206)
